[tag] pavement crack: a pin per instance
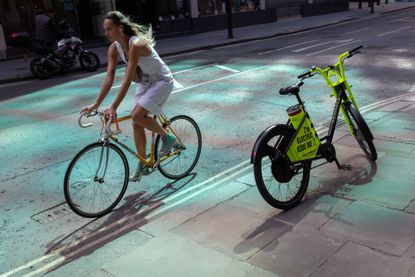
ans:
(323, 263)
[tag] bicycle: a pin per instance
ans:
(282, 154)
(97, 177)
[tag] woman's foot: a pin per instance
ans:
(169, 141)
(140, 171)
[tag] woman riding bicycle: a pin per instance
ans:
(134, 45)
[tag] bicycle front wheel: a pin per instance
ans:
(185, 154)
(362, 132)
(281, 183)
(96, 179)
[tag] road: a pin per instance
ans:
(230, 91)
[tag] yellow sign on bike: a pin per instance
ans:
(306, 143)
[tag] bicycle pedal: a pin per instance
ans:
(346, 167)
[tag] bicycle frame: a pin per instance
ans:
(341, 90)
(149, 162)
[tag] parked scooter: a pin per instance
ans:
(64, 57)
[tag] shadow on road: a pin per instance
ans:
(130, 216)
(313, 203)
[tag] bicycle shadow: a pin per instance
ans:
(315, 205)
(130, 216)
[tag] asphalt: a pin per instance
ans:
(350, 223)
(15, 69)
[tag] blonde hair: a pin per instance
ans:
(131, 28)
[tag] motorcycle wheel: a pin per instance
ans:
(89, 61)
(38, 68)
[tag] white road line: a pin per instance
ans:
(404, 19)
(242, 43)
(333, 47)
(227, 68)
(211, 81)
(177, 84)
(355, 31)
(287, 47)
(394, 31)
(181, 55)
(220, 79)
(17, 83)
(266, 52)
(319, 44)
(193, 68)
(179, 72)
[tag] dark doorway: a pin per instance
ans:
(141, 11)
(85, 19)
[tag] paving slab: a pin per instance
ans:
(252, 201)
(387, 230)
(190, 210)
(232, 231)
(391, 183)
(173, 255)
(358, 260)
(314, 211)
(296, 253)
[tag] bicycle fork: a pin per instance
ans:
(103, 149)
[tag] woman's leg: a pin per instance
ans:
(139, 116)
(140, 139)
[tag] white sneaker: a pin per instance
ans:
(140, 171)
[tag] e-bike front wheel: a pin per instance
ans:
(96, 179)
(281, 183)
(184, 155)
(362, 132)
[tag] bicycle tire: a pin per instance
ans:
(274, 141)
(180, 165)
(362, 133)
(90, 163)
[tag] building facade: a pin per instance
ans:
(167, 17)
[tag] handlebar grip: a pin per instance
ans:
(304, 75)
(351, 52)
(80, 122)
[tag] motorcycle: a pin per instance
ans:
(64, 57)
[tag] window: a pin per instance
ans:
(215, 7)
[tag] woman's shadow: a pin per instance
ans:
(130, 216)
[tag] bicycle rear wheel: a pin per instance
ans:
(96, 179)
(281, 183)
(184, 155)
(362, 132)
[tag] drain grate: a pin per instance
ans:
(52, 213)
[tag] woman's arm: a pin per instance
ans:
(109, 78)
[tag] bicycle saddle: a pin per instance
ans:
(291, 90)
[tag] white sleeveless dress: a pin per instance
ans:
(154, 80)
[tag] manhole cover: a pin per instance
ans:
(52, 214)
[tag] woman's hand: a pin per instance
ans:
(111, 113)
(89, 109)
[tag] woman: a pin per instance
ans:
(134, 45)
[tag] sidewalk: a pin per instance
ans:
(18, 69)
(351, 223)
